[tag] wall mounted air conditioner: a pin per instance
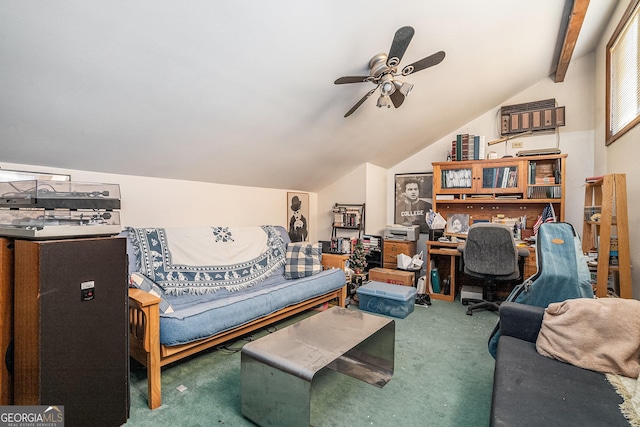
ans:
(538, 116)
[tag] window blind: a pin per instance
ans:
(625, 76)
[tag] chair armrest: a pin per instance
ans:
(142, 298)
(520, 320)
(523, 252)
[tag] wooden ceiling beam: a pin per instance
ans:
(576, 18)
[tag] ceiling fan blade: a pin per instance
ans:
(397, 98)
(359, 103)
(399, 45)
(427, 62)
(352, 79)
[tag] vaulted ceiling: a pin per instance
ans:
(242, 92)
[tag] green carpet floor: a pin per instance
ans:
(443, 377)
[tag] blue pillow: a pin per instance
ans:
(302, 260)
(143, 283)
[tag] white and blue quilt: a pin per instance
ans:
(200, 260)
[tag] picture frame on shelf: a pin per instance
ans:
(297, 215)
(413, 199)
(458, 224)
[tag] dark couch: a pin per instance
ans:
(533, 390)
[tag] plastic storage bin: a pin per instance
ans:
(385, 298)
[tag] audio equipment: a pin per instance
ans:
(59, 195)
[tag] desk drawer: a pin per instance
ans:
(393, 248)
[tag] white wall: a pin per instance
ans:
(621, 156)
(350, 188)
(365, 184)
(158, 202)
(376, 199)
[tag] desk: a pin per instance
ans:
(448, 249)
(451, 250)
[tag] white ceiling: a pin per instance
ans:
(241, 92)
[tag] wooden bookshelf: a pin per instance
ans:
(605, 208)
(513, 187)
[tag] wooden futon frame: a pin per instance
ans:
(144, 334)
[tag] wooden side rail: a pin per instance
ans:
(144, 339)
(144, 334)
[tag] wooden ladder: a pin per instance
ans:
(610, 195)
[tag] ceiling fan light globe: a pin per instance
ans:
(406, 88)
(403, 87)
(384, 101)
(387, 88)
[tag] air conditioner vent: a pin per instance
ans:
(537, 116)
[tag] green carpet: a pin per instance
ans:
(443, 377)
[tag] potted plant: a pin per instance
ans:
(358, 259)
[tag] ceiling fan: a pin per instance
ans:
(383, 70)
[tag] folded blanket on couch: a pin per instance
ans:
(598, 334)
(199, 260)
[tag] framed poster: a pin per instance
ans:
(413, 199)
(297, 214)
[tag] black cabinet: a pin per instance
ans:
(373, 251)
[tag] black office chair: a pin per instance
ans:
(490, 253)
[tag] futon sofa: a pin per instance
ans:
(192, 288)
(530, 389)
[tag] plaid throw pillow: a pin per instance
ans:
(303, 259)
(143, 283)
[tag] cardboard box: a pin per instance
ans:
(396, 277)
(385, 298)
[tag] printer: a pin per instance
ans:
(402, 232)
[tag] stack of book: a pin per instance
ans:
(343, 245)
(468, 147)
(345, 217)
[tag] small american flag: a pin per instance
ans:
(547, 215)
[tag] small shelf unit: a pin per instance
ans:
(348, 219)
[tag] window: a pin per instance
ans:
(623, 75)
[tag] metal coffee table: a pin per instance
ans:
(277, 370)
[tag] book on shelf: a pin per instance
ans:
(371, 243)
(509, 196)
(456, 178)
(592, 179)
(545, 192)
(481, 147)
(347, 218)
(445, 197)
(343, 245)
(468, 146)
(545, 172)
(506, 177)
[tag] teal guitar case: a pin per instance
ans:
(562, 272)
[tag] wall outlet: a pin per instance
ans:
(516, 144)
